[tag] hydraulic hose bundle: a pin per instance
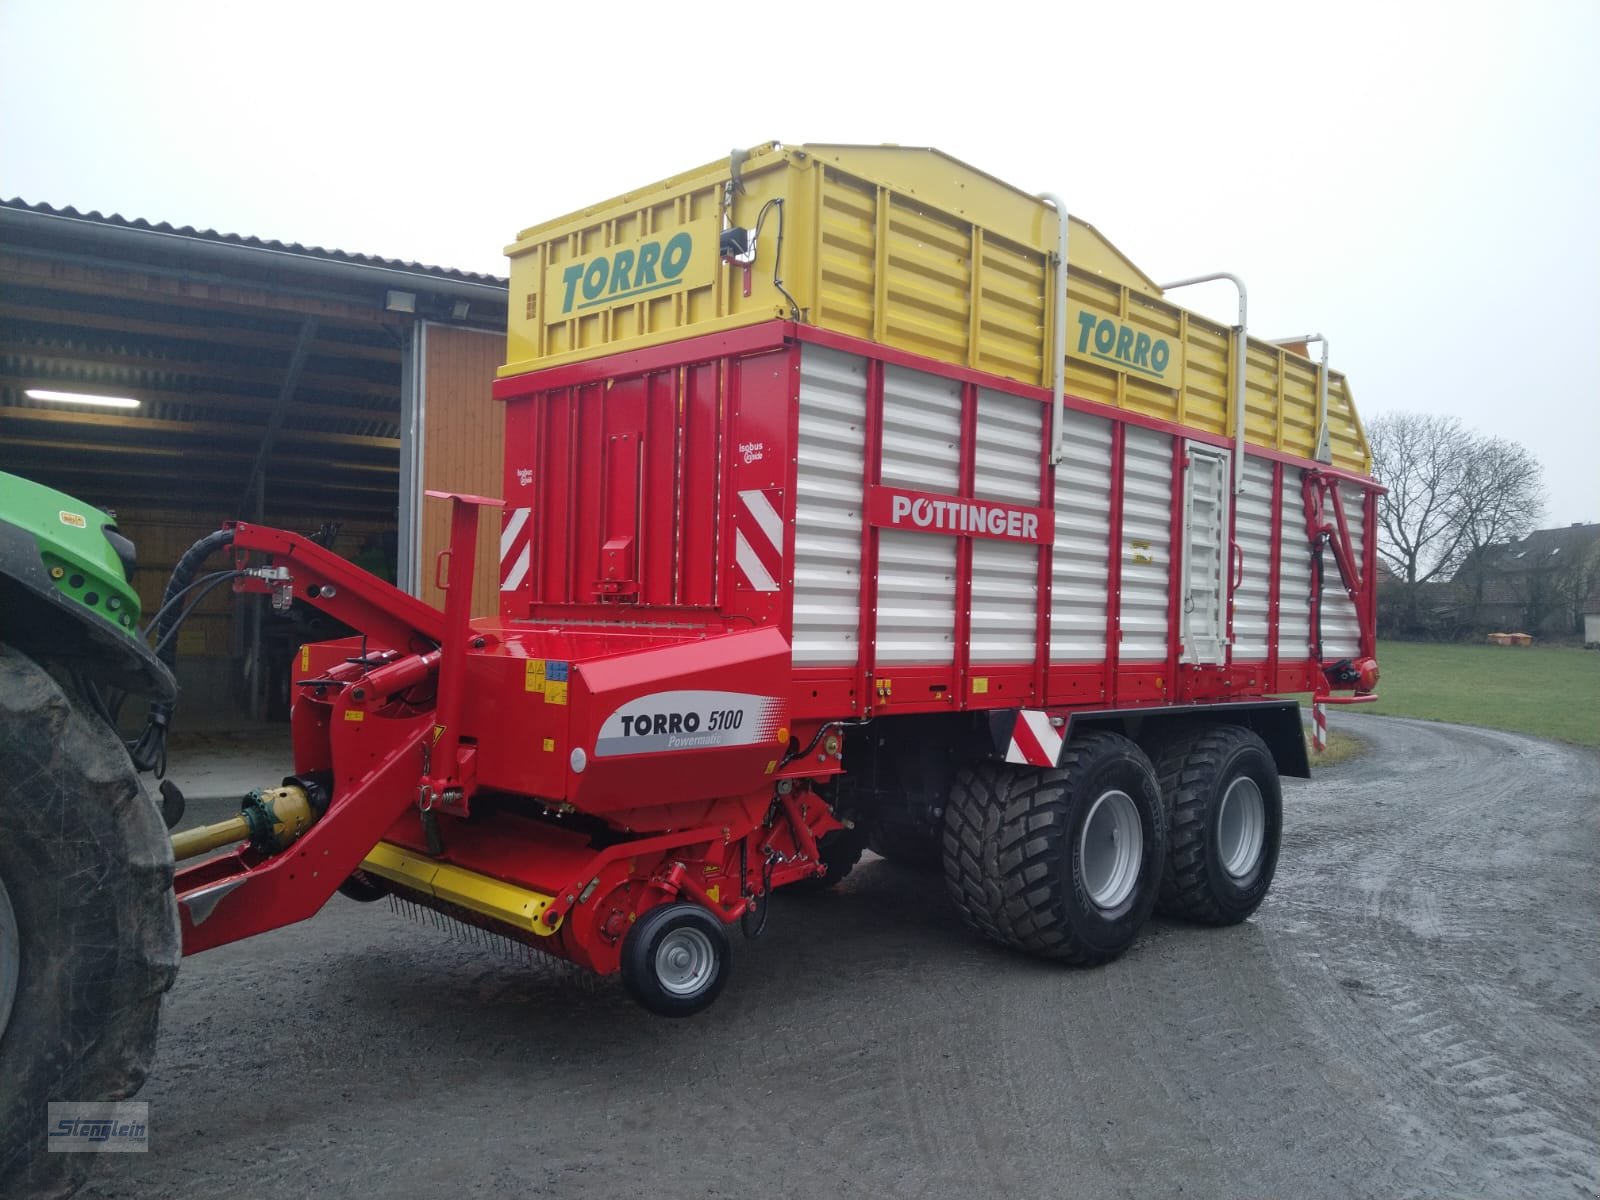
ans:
(149, 750)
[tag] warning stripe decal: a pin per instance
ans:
(758, 539)
(516, 518)
(516, 549)
(1035, 742)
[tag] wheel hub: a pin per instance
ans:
(10, 957)
(686, 962)
(1110, 849)
(1241, 828)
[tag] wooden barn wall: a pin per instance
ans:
(463, 450)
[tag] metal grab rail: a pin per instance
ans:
(1058, 388)
(1240, 365)
(1324, 448)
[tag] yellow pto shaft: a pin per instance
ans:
(270, 818)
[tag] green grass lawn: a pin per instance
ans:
(1549, 691)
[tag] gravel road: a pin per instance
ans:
(1414, 1011)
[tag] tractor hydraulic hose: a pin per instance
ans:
(149, 752)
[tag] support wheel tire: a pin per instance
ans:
(1065, 862)
(676, 959)
(92, 938)
(363, 888)
(907, 844)
(1225, 820)
(840, 851)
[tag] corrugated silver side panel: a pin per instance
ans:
(1010, 448)
(917, 571)
(1005, 575)
(1253, 533)
(1294, 574)
(1341, 631)
(828, 507)
(1083, 532)
(1146, 544)
(921, 430)
(1005, 597)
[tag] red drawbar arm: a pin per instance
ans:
(343, 590)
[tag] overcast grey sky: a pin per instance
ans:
(1419, 181)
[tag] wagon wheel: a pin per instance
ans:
(676, 959)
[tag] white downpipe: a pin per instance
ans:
(1240, 360)
(1058, 403)
(1324, 448)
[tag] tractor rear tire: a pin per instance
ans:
(676, 959)
(86, 868)
(1064, 862)
(1225, 820)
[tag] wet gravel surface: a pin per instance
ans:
(1415, 1011)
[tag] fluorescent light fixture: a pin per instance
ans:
(79, 398)
(400, 302)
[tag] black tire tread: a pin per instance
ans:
(1186, 767)
(1004, 829)
(85, 1022)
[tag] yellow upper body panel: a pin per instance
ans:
(910, 248)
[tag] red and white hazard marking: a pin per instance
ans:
(758, 539)
(1035, 741)
(516, 548)
(1319, 725)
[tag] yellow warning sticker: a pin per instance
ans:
(555, 692)
(305, 658)
(438, 732)
(354, 714)
(715, 892)
(549, 744)
(533, 675)
(980, 684)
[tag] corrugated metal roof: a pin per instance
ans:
(234, 239)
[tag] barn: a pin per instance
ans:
(182, 378)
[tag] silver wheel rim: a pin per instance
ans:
(1241, 828)
(1109, 850)
(10, 957)
(686, 962)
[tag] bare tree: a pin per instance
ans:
(1421, 458)
(1501, 493)
(1554, 590)
(1582, 583)
(1452, 494)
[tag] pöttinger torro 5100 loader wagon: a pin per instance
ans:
(851, 497)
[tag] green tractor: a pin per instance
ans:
(89, 936)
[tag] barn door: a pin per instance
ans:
(1205, 555)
